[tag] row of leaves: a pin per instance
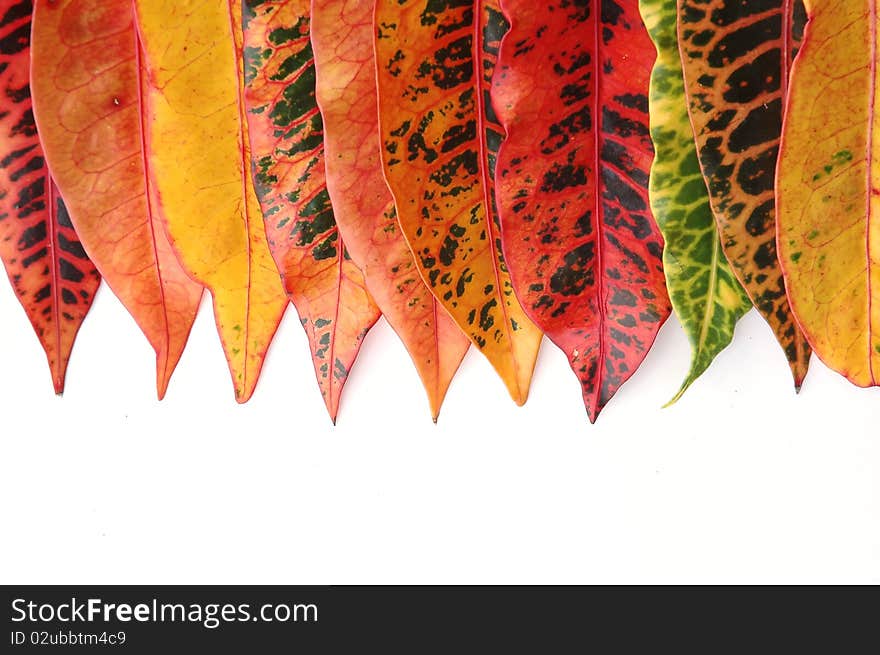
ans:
(509, 188)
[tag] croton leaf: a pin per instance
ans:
(705, 294)
(200, 156)
(87, 83)
(287, 137)
(737, 58)
(342, 36)
(828, 188)
(435, 62)
(584, 253)
(52, 276)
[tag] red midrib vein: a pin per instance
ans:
(597, 208)
(150, 215)
(787, 47)
(55, 274)
(331, 364)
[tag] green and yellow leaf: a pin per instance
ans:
(705, 294)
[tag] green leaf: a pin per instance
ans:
(706, 296)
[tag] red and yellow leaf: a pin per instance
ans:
(435, 62)
(287, 137)
(87, 91)
(342, 36)
(52, 276)
(582, 247)
(828, 188)
(200, 157)
(737, 58)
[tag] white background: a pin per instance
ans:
(741, 481)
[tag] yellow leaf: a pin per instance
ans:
(200, 156)
(828, 186)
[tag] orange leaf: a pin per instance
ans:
(434, 68)
(342, 37)
(286, 131)
(86, 83)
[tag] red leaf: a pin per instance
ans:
(581, 245)
(53, 277)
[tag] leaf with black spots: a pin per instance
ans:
(287, 137)
(737, 59)
(435, 62)
(584, 253)
(342, 38)
(54, 279)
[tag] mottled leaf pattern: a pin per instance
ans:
(435, 62)
(87, 91)
(737, 57)
(706, 296)
(52, 276)
(829, 188)
(583, 250)
(342, 35)
(200, 157)
(288, 151)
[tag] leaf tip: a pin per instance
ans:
(164, 371)
(242, 396)
(520, 397)
(332, 405)
(677, 396)
(799, 381)
(59, 373)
